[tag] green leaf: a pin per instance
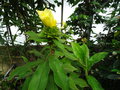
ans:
(25, 5)
(22, 71)
(74, 75)
(66, 54)
(116, 33)
(35, 52)
(81, 82)
(51, 83)
(40, 77)
(78, 81)
(26, 83)
(68, 47)
(34, 36)
(25, 59)
(58, 53)
(96, 58)
(116, 70)
(86, 52)
(69, 55)
(95, 3)
(114, 76)
(69, 68)
(64, 51)
(75, 2)
(81, 52)
(118, 28)
(59, 44)
(94, 83)
(60, 77)
(72, 84)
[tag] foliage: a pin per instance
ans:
(22, 14)
(58, 65)
(61, 64)
(91, 12)
(9, 85)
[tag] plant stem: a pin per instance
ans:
(62, 6)
(10, 33)
(86, 72)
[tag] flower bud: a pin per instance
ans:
(47, 17)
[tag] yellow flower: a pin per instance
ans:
(84, 40)
(47, 17)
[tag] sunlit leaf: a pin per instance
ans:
(69, 68)
(23, 70)
(59, 44)
(94, 83)
(72, 84)
(35, 52)
(60, 77)
(96, 58)
(81, 82)
(34, 36)
(81, 52)
(64, 51)
(40, 78)
(51, 83)
(25, 59)
(26, 83)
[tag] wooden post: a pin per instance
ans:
(62, 6)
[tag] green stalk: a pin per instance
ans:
(86, 68)
(86, 72)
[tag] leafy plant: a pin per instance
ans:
(58, 65)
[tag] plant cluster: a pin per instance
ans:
(58, 65)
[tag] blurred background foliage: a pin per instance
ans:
(88, 13)
(22, 14)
